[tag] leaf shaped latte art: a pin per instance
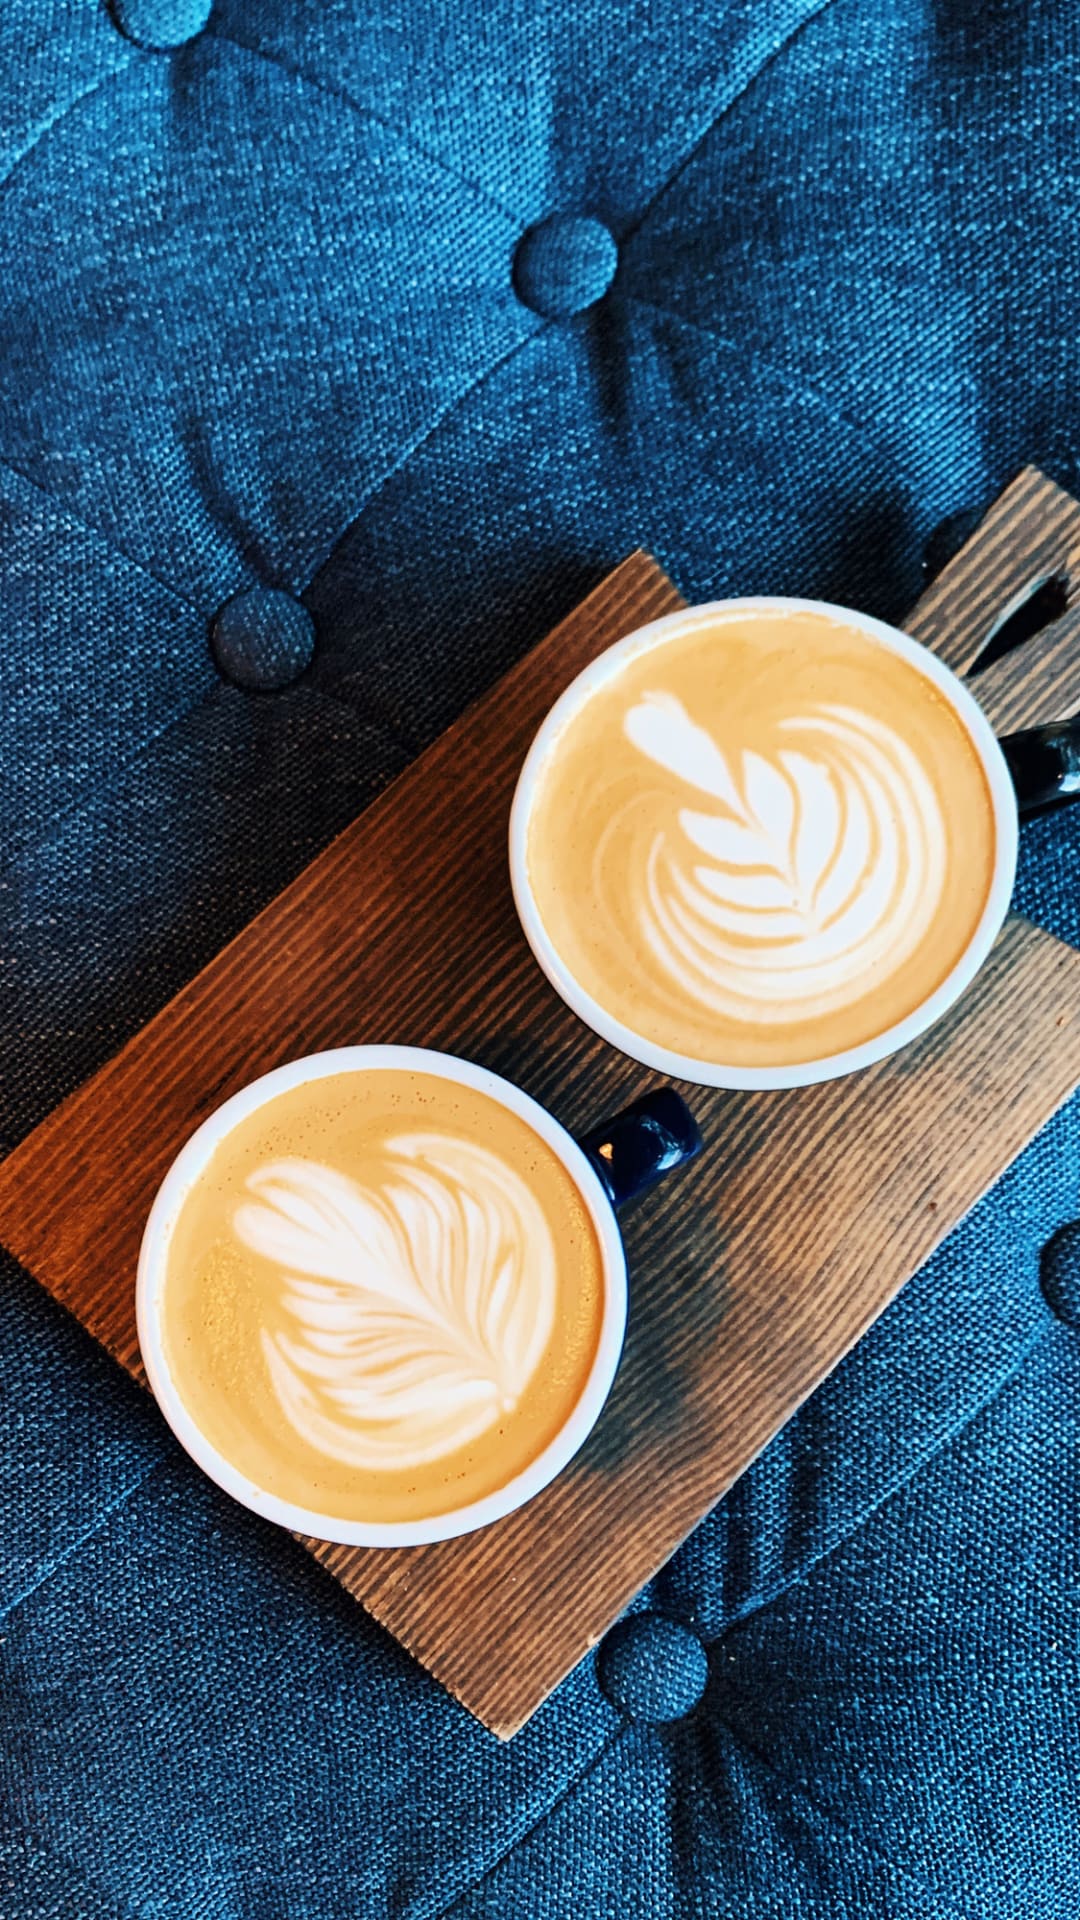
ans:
(414, 1313)
(810, 869)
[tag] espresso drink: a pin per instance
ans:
(383, 1296)
(763, 841)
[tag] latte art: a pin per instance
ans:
(384, 1295)
(812, 867)
(417, 1312)
(760, 836)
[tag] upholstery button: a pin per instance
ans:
(262, 639)
(160, 25)
(1060, 1274)
(564, 264)
(653, 1669)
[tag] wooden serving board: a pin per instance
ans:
(752, 1272)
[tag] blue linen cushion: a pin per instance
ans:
(380, 333)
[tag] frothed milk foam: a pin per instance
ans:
(383, 1297)
(763, 842)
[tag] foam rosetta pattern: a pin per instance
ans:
(410, 1314)
(808, 870)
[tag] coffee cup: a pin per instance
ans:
(763, 843)
(382, 1292)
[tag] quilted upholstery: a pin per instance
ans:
(342, 347)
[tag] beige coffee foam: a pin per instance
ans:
(281, 1335)
(763, 843)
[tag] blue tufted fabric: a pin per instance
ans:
(160, 25)
(1061, 1275)
(652, 1668)
(262, 639)
(564, 264)
(318, 371)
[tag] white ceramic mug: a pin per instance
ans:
(639, 1149)
(798, 1074)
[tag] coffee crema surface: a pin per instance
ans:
(383, 1296)
(763, 841)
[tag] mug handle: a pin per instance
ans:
(1045, 765)
(636, 1148)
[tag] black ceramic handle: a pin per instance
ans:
(1045, 765)
(648, 1139)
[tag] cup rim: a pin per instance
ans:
(149, 1286)
(805, 1073)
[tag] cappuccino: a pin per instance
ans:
(382, 1296)
(762, 839)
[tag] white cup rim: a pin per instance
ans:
(806, 1073)
(190, 1163)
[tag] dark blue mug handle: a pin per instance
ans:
(1045, 765)
(631, 1152)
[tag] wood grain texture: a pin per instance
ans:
(752, 1273)
(1031, 534)
(1039, 682)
